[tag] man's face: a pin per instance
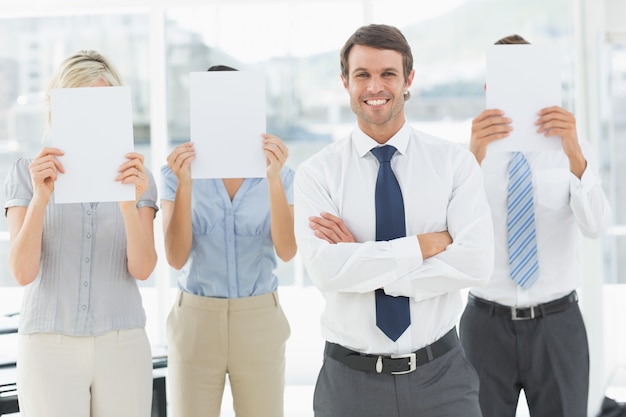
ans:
(376, 86)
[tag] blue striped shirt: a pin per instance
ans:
(232, 253)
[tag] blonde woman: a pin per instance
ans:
(82, 348)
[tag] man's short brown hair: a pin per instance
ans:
(512, 40)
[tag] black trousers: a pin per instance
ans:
(547, 357)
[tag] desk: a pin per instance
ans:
(8, 391)
(9, 323)
(8, 394)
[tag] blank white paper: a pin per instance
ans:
(521, 80)
(94, 127)
(227, 119)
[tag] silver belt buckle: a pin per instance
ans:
(514, 314)
(412, 363)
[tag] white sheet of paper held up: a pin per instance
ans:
(227, 119)
(522, 80)
(93, 126)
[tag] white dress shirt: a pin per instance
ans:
(442, 190)
(565, 207)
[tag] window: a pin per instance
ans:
(613, 151)
(297, 45)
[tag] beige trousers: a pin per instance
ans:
(209, 338)
(101, 376)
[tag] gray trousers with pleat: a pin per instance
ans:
(444, 387)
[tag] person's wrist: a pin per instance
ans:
(40, 199)
(273, 176)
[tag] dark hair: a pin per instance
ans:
(379, 37)
(221, 68)
(512, 40)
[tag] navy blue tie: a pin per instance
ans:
(393, 315)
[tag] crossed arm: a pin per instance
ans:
(333, 230)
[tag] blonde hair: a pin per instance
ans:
(83, 69)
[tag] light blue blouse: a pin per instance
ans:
(232, 253)
(83, 287)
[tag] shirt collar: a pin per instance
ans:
(363, 143)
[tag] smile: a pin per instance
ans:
(378, 102)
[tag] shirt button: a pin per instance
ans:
(86, 260)
(88, 212)
(85, 283)
(84, 307)
(88, 235)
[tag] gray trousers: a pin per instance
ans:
(444, 387)
(547, 357)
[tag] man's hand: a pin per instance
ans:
(488, 126)
(556, 121)
(330, 228)
(433, 243)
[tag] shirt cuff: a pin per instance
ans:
(408, 258)
(587, 180)
(17, 202)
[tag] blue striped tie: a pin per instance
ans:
(523, 262)
(393, 314)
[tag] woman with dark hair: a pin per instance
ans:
(223, 235)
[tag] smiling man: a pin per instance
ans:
(391, 223)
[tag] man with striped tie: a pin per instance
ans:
(524, 329)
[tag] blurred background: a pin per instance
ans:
(156, 44)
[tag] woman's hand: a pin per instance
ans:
(133, 172)
(44, 170)
(276, 153)
(179, 161)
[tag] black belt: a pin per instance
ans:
(525, 313)
(392, 364)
